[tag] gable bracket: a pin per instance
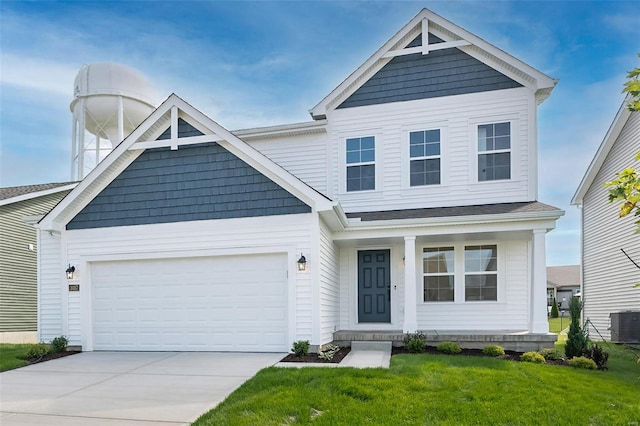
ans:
(426, 47)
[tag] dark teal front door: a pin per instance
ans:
(374, 286)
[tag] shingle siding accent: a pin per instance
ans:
(18, 280)
(197, 182)
(184, 131)
(443, 72)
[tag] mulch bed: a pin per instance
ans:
(314, 357)
(50, 356)
(508, 355)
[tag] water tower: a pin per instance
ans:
(109, 102)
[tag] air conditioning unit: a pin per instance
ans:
(625, 327)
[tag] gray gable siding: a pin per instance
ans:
(184, 131)
(196, 182)
(443, 72)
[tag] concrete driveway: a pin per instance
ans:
(124, 388)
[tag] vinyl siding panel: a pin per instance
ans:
(289, 233)
(457, 117)
(608, 276)
(18, 265)
(444, 72)
(329, 286)
(303, 156)
(50, 286)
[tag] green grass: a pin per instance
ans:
(10, 355)
(556, 325)
(437, 389)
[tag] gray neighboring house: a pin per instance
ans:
(563, 282)
(20, 205)
(607, 275)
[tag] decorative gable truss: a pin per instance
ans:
(174, 125)
(434, 34)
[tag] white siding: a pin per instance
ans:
(329, 286)
(457, 116)
(290, 233)
(608, 275)
(50, 277)
(304, 156)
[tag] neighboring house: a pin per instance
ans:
(608, 275)
(563, 282)
(18, 246)
(412, 196)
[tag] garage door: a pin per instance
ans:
(225, 303)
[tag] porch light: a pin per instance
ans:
(302, 263)
(70, 270)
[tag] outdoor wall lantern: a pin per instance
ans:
(70, 270)
(302, 263)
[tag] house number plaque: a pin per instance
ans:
(74, 287)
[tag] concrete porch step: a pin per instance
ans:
(370, 346)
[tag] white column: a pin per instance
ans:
(538, 305)
(410, 302)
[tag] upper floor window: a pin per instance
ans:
(361, 167)
(494, 151)
(424, 155)
(481, 272)
(439, 269)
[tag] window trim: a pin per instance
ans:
(426, 157)
(474, 152)
(439, 274)
(480, 273)
(377, 163)
(406, 156)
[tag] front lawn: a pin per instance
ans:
(11, 354)
(556, 325)
(437, 389)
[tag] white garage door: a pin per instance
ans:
(225, 303)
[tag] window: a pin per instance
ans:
(361, 169)
(494, 151)
(438, 267)
(481, 272)
(424, 154)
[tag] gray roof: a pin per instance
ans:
(16, 191)
(563, 276)
(483, 209)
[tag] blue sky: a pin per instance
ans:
(248, 64)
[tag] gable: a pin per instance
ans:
(442, 72)
(195, 182)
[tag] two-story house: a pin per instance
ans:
(408, 203)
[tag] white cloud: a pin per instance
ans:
(42, 75)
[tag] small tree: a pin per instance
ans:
(577, 337)
(554, 309)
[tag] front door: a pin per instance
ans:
(374, 286)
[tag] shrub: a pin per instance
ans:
(533, 357)
(328, 352)
(59, 344)
(551, 354)
(576, 337)
(598, 355)
(414, 342)
(37, 350)
(582, 362)
(300, 348)
(449, 348)
(554, 309)
(493, 350)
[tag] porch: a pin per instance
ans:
(520, 341)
